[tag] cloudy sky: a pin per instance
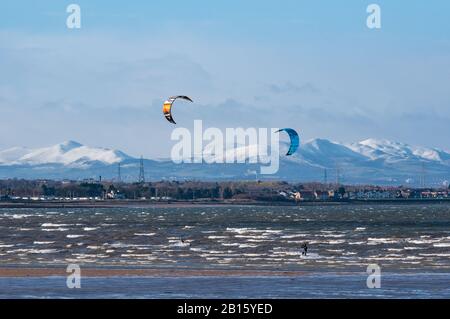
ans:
(310, 65)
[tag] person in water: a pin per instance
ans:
(305, 249)
(183, 242)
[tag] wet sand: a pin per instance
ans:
(312, 285)
(124, 272)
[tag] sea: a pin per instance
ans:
(408, 244)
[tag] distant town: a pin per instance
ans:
(34, 191)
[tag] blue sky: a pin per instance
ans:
(310, 65)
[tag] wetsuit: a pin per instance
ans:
(305, 249)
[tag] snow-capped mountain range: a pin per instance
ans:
(369, 161)
(66, 153)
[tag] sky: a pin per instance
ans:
(311, 65)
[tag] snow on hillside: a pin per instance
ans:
(368, 161)
(327, 153)
(11, 155)
(394, 151)
(65, 153)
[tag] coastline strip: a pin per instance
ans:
(142, 272)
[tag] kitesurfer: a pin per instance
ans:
(305, 249)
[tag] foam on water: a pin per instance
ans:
(55, 229)
(19, 216)
(247, 246)
(54, 225)
(441, 244)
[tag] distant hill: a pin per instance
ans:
(367, 162)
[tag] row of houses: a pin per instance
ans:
(380, 194)
(309, 195)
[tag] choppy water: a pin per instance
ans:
(397, 237)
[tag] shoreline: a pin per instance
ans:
(201, 284)
(40, 272)
(183, 204)
(24, 272)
